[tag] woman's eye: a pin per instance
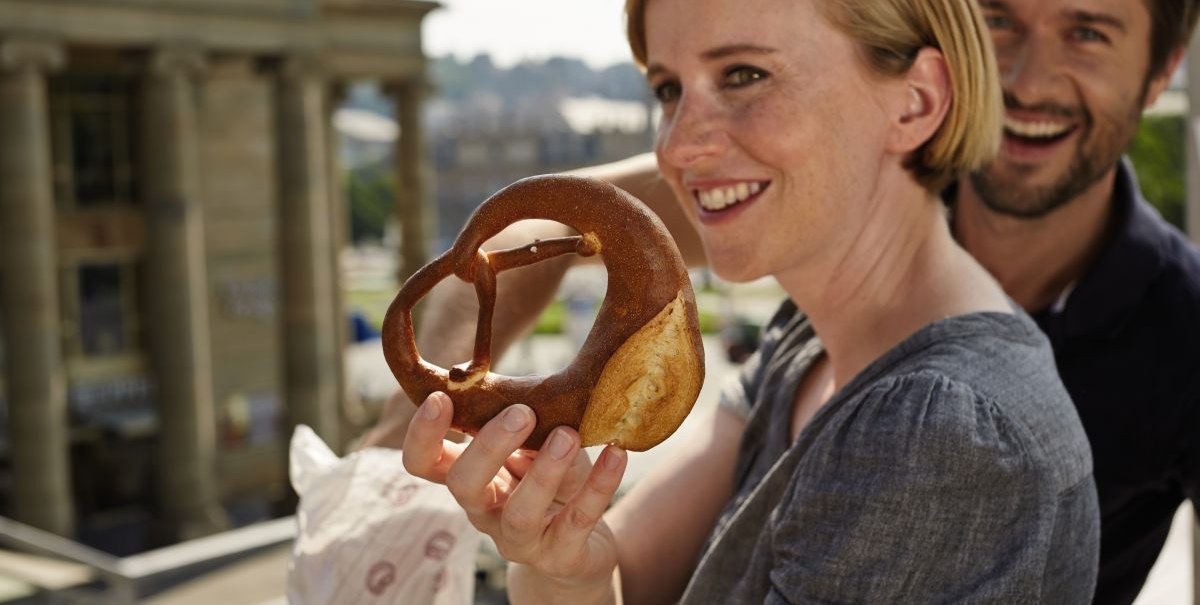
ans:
(666, 92)
(743, 75)
(997, 22)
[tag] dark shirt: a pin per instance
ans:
(1127, 344)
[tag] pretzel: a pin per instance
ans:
(640, 369)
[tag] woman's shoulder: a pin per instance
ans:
(940, 479)
(955, 418)
(997, 360)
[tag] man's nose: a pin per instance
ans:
(1032, 71)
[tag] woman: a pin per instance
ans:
(903, 439)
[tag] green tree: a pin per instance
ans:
(369, 195)
(1158, 157)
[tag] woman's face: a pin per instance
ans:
(773, 131)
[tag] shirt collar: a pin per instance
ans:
(1125, 267)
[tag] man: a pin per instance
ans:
(1059, 221)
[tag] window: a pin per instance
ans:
(92, 121)
(473, 153)
(521, 152)
(102, 310)
(102, 325)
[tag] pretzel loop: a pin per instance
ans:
(647, 285)
(483, 272)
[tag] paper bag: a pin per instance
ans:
(370, 533)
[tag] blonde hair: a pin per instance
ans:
(889, 34)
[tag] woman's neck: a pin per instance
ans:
(898, 273)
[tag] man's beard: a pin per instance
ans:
(1093, 159)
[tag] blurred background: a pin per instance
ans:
(205, 208)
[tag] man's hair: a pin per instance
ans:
(889, 34)
(1171, 25)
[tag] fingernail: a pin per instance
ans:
(560, 444)
(612, 458)
(432, 408)
(515, 418)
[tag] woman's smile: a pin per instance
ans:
(719, 198)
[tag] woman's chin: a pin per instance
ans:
(734, 272)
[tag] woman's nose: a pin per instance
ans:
(691, 133)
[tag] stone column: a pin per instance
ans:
(351, 421)
(177, 302)
(1191, 214)
(1196, 553)
(312, 356)
(38, 431)
(1192, 153)
(413, 208)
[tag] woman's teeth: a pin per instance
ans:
(724, 197)
(1035, 130)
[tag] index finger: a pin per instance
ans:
(471, 478)
(426, 453)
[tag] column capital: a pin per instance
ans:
(301, 65)
(176, 59)
(39, 53)
(418, 85)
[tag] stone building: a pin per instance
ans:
(477, 147)
(168, 230)
(481, 144)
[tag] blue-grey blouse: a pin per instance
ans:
(951, 470)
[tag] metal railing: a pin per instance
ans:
(121, 580)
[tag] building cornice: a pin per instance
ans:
(378, 6)
(387, 45)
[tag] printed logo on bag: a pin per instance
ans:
(399, 492)
(381, 575)
(439, 582)
(438, 547)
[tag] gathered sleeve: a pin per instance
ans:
(929, 493)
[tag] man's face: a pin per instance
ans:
(1074, 74)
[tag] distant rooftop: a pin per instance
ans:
(484, 115)
(592, 114)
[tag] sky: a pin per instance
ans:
(516, 30)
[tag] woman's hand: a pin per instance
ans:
(543, 509)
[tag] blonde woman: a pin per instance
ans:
(902, 435)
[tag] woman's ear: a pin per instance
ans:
(927, 93)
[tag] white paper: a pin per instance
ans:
(370, 533)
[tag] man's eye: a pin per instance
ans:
(1087, 34)
(743, 75)
(666, 92)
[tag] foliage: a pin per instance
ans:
(369, 195)
(553, 318)
(1159, 159)
(459, 80)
